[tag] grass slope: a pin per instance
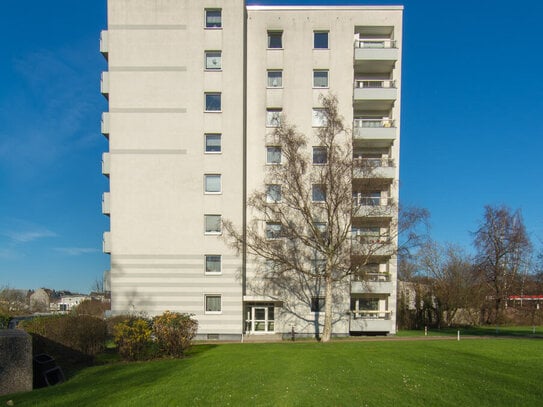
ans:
(477, 372)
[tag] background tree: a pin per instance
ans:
(503, 251)
(13, 302)
(300, 229)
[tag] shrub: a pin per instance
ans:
(83, 333)
(92, 307)
(173, 332)
(132, 335)
(4, 321)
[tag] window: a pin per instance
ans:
(213, 18)
(273, 155)
(368, 304)
(318, 193)
(273, 117)
(213, 263)
(212, 224)
(213, 102)
(319, 118)
(213, 60)
(213, 304)
(317, 304)
(273, 230)
(273, 193)
(320, 78)
(213, 143)
(275, 39)
(320, 155)
(320, 39)
(275, 79)
(212, 183)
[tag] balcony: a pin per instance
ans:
(378, 283)
(104, 84)
(106, 203)
(106, 242)
(379, 94)
(370, 321)
(105, 124)
(374, 168)
(376, 54)
(106, 162)
(369, 246)
(375, 132)
(104, 43)
(371, 207)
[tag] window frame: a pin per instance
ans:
(208, 136)
(211, 94)
(268, 151)
(270, 193)
(316, 155)
(318, 304)
(209, 25)
(273, 230)
(320, 71)
(317, 39)
(207, 57)
(274, 34)
(212, 232)
(206, 186)
(319, 191)
(272, 86)
(212, 272)
(212, 312)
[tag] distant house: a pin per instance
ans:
(68, 302)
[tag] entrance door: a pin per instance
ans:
(261, 318)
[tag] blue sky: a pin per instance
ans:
(472, 127)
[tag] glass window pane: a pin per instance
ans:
(275, 39)
(320, 155)
(212, 223)
(320, 79)
(273, 117)
(213, 183)
(319, 193)
(273, 230)
(275, 79)
(213, 60)
(273, 155)
(319, 118)
(213, 102)
(213, 264)
(213, 303)
(213, 18)
(213, 143)
(320, 39)
(273, 193)
(317, 304)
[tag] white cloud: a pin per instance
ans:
(76, 251)
(29, 235)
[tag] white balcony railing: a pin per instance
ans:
(374, 83)
(369, 163)
(373, 123)
(361, 200)
(366, 314)
(374, 43)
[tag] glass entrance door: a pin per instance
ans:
(261, 318)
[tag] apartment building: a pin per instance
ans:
(195, 89)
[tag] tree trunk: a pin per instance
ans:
(327, 331)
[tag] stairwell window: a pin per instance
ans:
(273, 193)
(213, 18)
(212, 143)
(212, 183)
(273, 155)
(273, 230)
(273, 117)
(319, 118)
(213, 264)
(318, 193)
(213, 60)
(275, 78)
(320, 155)
(213, 102)
(320, 78)
(213, 224)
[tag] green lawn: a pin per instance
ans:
(470, 372)
(519, 331)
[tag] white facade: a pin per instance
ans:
(193, 88)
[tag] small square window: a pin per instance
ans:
(213, 224)
(320, 155)
(213, 304)
(318, 193)
(273, 230)
(273, 193)
(273, 117)
(317, 304)
(320, 78)
(275, 39)
(273, 155)
(319, 118)
(213, 102)
(213, 143)
(213, 263)
(275, 79)
(212, 183)
(320, 39)
(213, 60)
(213, 18)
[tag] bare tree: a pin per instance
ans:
(299, 232)
(503, 250)
(12, 301)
